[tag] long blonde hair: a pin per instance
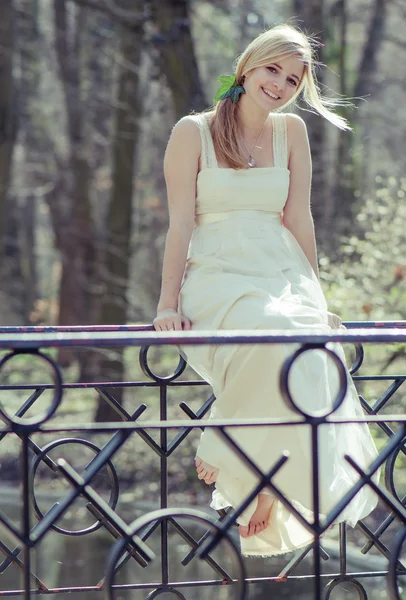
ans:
(278, 42)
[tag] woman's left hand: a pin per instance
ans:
(334, 321)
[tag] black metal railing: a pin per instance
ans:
(203, 534)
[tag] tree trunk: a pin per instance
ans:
(32, 140)
(78, 288)
(7, 113)
(120, 217)
(368, 64)
(311, 19)
(177, 57)
(12, 282)
(348, 173)
(9, 251)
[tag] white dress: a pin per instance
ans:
(245, 270)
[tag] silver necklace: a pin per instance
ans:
(251, 160)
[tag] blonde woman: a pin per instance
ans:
(240, 254)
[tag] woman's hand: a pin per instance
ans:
(334, 321)
(171, 320)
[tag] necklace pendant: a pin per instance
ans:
(251, 161)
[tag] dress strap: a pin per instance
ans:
(208, 156)
(280, 140)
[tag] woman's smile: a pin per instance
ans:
(270, 94)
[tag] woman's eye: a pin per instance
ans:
(274, 70)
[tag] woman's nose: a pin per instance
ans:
(279, 84)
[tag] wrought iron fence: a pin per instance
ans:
(203, 533)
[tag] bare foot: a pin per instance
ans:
(259, 520)
(205, 471)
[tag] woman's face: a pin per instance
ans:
(272, 86)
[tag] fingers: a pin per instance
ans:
(164, 327)
(170, 320)
(186, 324)
(334, 321)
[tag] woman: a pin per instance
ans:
(240, 254)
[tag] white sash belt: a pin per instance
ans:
(232, 214)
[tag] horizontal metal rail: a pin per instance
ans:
(130, 541)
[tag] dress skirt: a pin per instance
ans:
(245, 270)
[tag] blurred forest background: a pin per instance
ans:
(90, 90)
(89, 93)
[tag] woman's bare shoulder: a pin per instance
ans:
(185, 138)
(296, 125)
(191, 124)
(298, 139)
(186, 127)
(184, 148)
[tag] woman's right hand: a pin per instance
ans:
(171, 320)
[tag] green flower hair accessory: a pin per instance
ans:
(229, 89)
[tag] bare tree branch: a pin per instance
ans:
(125, 13)
(396, 41)
(110, 7)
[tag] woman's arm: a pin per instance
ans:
(297, 215)
(180, 168)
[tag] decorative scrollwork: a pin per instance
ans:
(31, 423)
(284, 380)
(394, 560)
(334, 583)
(358, 360)
(390, 471)
(45, 458)
(146, 369)
(159, 516)
(168, 590)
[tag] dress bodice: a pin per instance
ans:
(225, 189)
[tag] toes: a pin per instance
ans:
(252, 529)
(211, 478)
(243, 531)
(202, 473)
(206, 476)
(205, 471)
(261, 527)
